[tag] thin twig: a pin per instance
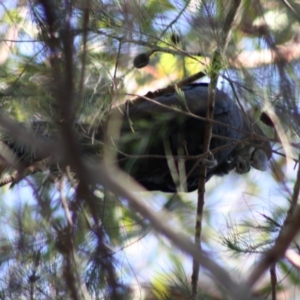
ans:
(175, 20)
(296, 192)
(203, 169)
(273, 281)
(215, 67)
(86, 17)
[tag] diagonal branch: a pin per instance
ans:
(289, 230)
(120, 184)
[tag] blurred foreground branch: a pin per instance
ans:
(288, 232)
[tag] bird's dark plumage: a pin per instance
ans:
(167, 135)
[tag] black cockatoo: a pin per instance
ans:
(165, 138)
(161, 141)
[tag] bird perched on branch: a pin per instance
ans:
(166, 136)
(161, 140)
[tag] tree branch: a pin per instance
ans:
(215, 67)
(287, 234)
(120, 184)
(288, 52)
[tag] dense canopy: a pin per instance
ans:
(74, 225)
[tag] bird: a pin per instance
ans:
(160, 142)
(163, 139)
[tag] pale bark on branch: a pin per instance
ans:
(253, 59)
